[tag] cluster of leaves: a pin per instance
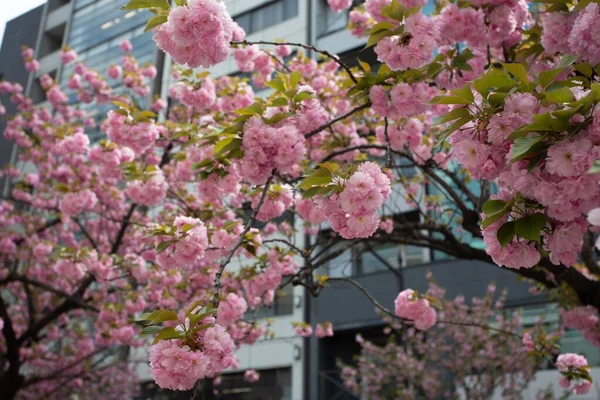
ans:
(327, 179)
(188, 330)
(160, 9)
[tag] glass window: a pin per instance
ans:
(274, 384)
(283, 304)
(268, 15)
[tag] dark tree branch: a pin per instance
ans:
(304, 46)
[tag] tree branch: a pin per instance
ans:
(240, 241)
(304, 46)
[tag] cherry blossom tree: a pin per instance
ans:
(104, 243)
(447, 361)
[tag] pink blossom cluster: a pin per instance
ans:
(407, 305)
(31, 64)
(279, 199)
(403, 133)
(178, 367)
(414, 48)
(67, 55)
(568, 362)
(252, 58)
(191, 242)
(198, 34)
(123, 131)
(573, 33)
(403, 100)
(584, 319)
(265, 283)
(311, 211)
(486, 154)
(339, 5)
(358, 22)
(199, 97)
(353, 212)
(251, 375)
(268, 148)
(302, 329)
(149, 191)
(324, 330)
(516, 254)
(74, 203)
(479, 27)
(231, 309)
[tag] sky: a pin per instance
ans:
(10, 9)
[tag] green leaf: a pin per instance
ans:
(518, 71)
(493, 217)
(159, 316)
(329, 166)
(302, 96)
(566, 60)
(295, 78)
(546, 77)
(279, 117)
(456, 125)
(280, 102)
(497, 99)
(449, 100)
(394, 10)
(464, 92)
(168, 334)
(562, 95)
(226, 145)
(151, 330)
(137, 4)
(493, 79)
(524, 146)
(312, 192)
(181, 2)
(530, 226)
(452, 115)
(493, 206)
(253, 109)
(506, 233)
(585, 68)
(276, 84)
(314, 181)
(163, 246)
(154, 22)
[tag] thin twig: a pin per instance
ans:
(307, 47)
(227, 260)
(338, 119)
(388, 145)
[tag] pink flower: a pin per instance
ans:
(126, 46)
(570, 360)
(418, 310)
(197, 34)
(339, 5)
(74, 203)
(175, 367)
(571, 158)
(584, 39)
(231, 309)
(251, 375)
(324, 330)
